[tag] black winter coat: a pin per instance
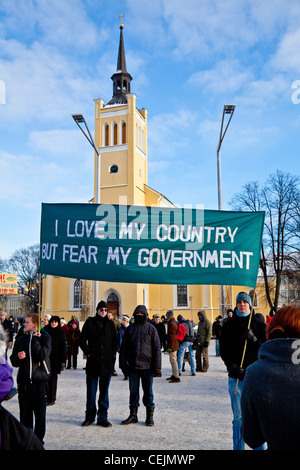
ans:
(140, 348)
(232, 340)
(37, 349)
(59, 350)
(98, 341)
(15, 436)
(271, 397)
(161, 330)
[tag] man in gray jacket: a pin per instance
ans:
(140, 359)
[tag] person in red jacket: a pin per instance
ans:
(172, 346)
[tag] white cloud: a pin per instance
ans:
(168, 134)
(228, 76)
(27, 180)
(287, 57)
(60, 142)
(41, 83)
(59, 23)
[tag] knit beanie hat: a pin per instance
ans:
(244, 296)
(101, 304)
(169, 314)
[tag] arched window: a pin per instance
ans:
(78, 285)
(113, 304)
(115, 134)
(124, 133)
(106, 135)
(113, 298)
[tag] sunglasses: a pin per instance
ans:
(103, 309)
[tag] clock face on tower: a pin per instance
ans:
(114, 169)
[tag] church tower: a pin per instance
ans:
(121, 137)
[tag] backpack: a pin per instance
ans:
(181, 332)
(190, 336)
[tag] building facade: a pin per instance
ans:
(121, 137)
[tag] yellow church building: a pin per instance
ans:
(121, 137)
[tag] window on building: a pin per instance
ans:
(106, 135)
(78, 284)
(115, 134)
(182, 298)
(124, 133)
(282, 279)
(255, 303)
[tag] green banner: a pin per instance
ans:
(152, 245)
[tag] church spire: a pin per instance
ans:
(121, 78)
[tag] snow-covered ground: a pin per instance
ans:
(194, 414)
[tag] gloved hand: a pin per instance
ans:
(249, 335)
(157, 373)
(206, 344)
(196, 345)
(236, 372)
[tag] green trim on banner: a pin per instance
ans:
(151, 245)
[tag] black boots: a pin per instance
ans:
(132, 418)
(149, 415)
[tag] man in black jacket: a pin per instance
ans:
(98, 341)
(31, 354)
(235, 331)
(140, 358)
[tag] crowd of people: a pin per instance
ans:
(261, 358)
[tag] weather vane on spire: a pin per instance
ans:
(122, 16)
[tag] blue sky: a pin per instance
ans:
(187, 60)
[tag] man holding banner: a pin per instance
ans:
(235, 332)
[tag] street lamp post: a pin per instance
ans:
(79, 119)
(228, 110)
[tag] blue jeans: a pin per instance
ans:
(217, 347)
(182, 348)
(146, 377)
(238, 441)
(103, 401)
